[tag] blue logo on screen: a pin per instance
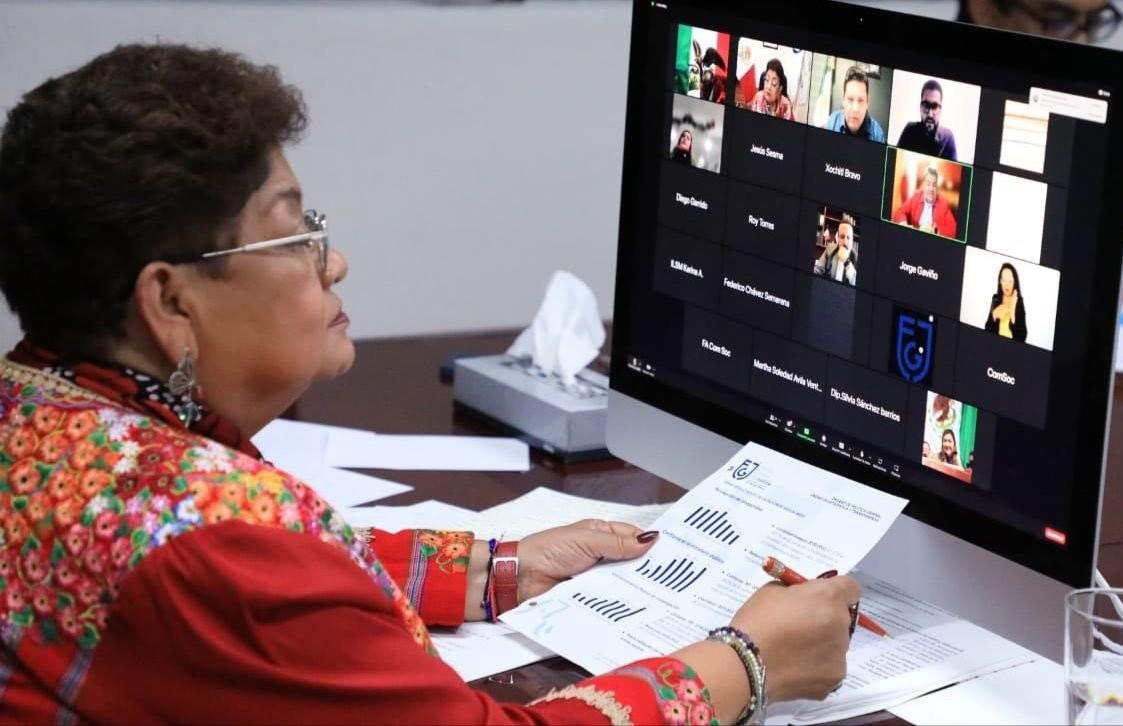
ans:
(915, 338)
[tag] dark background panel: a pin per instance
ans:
(984, 357)
(765, 151)
(762, 222)
(902, 246)
(717, 348)
(833, 317)
(674, 252)
(698, 187)
(758, 292)
(849, 385)
(789, 375)
(863, 158)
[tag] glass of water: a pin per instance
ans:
(1094, 656)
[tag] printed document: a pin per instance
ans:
(1028, 693)
(929, 648)
(707, 560)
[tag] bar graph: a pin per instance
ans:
(714, 523)
(614, 610)
(678, 574)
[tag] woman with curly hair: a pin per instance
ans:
(176, 297)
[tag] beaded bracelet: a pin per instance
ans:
(489, 613)
(754, 667)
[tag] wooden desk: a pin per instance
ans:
(394, 388)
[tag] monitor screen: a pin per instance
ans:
(884, 245)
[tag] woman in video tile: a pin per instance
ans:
(682, 150)
(772, 95)
(1007, 309)
(949, 451)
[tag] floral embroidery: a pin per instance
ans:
(451, 549)
(682, 697)
(88, 489)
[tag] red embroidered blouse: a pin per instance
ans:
(148, 572)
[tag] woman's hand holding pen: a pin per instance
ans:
(803, 634)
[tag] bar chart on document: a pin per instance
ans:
(614, 610)
(678, 574)
(714, 523)
(707, 560)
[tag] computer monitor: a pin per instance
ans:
(888, 246)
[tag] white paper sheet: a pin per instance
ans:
(1028, 693)
(433, 453)
(544, 508)
(706, 561)
(292, 445)
(299, 448)
(478, 650)
(929, 648)
(429, 514)
(342, 489)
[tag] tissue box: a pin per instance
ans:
(566, 421)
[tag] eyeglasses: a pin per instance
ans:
(930, 105)
(771, 82)
(315, 240)
(1061, 21)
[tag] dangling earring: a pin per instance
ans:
(182, 385)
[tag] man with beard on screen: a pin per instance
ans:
(927, 135)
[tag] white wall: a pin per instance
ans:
(461, 153)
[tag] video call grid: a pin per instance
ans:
(874, 199)
(867, 348)
(724, 236)
(1058, 172)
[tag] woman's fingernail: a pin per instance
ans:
(647, 536)
(827, 575)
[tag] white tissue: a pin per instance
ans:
(566, 333)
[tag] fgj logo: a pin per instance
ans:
(745, 469)
(914, 349)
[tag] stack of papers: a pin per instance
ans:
(1032, 692)
(534, 511)
(707, 562)
(929, 648)
(299, 448)
(320, 454)
(368, 450)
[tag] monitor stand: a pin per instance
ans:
(990, 591)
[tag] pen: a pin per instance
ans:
(781, 572)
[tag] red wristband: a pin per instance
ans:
(505, 577)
